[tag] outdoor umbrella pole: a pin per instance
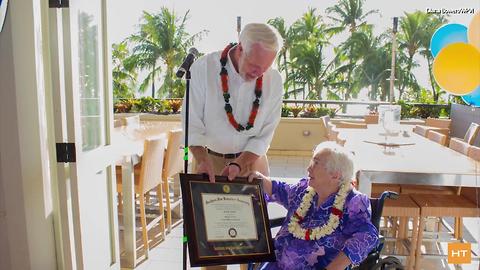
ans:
(185, 162)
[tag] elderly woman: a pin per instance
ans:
(328, 222)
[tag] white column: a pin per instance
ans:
(26, 212)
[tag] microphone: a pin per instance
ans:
(192, 53)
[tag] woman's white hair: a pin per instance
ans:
(339, 159)
(261, 33)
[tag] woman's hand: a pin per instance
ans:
(340, 262)
(266, 182)
(256, 174)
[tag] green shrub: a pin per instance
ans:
(286, 110)
(422, 110)
(321, 111)
(146, 104)
(405, 109)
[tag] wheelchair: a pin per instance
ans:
(373, 260)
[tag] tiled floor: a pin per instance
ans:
(168, 255)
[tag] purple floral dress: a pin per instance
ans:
(356, 236)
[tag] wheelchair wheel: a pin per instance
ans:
(388, 263)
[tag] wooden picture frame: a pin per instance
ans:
(226, 222)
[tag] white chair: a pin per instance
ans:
(326, 121)
(172, 165)
(461, 145)
(474, 152)
(117, 123)
(343, 124)
(438, 123)
(370, 119)
(437, 137)
(148, 176)
(132, 121)
(332, 132)
(471, 133)
(421, 130)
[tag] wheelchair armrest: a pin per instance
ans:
(276, 222)
(389, 195)
(372, 257)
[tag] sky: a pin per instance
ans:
(219, 17)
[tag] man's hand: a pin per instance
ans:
(231, 170)
(206, 166)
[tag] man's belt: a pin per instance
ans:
(229, 156)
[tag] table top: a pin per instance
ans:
(129, 141)
(416, 154)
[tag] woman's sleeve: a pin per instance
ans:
(362, 236)
(280, 193)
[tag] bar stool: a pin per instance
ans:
(461, 145)
(437, 137)
(404, 208)
(440, 206)
(370, 119)
(343, 124)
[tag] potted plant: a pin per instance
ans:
(174, 105)
(295, 110)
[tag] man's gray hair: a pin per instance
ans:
(339, 159)
(261, 33)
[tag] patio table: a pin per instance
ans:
(416, 161)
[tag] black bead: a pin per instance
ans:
(240, 127)
(223, 61)
(223, 71)
(226, 96)
(228, 108)
(248, 127)
(256, 102)
(258, 93)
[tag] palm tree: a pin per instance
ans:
(287, 36)
(350, 15)
(405, 77)
(123, 79)
(306, 53)
(411, 36)
(434, 21)
(372, 70)
(161, 41)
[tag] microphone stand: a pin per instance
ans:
(185, 163)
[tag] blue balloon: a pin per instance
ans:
(447, 34)
(473, 98)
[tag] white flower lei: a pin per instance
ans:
(326, 229)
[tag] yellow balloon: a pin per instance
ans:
(456, 68)
(474, 31)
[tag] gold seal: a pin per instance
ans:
(226, 188)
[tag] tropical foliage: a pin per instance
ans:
(123, 78)
(361, 61)
(158, 48)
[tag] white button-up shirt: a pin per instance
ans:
(208, 122)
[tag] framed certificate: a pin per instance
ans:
(226, 221)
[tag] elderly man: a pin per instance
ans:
(235, 104)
